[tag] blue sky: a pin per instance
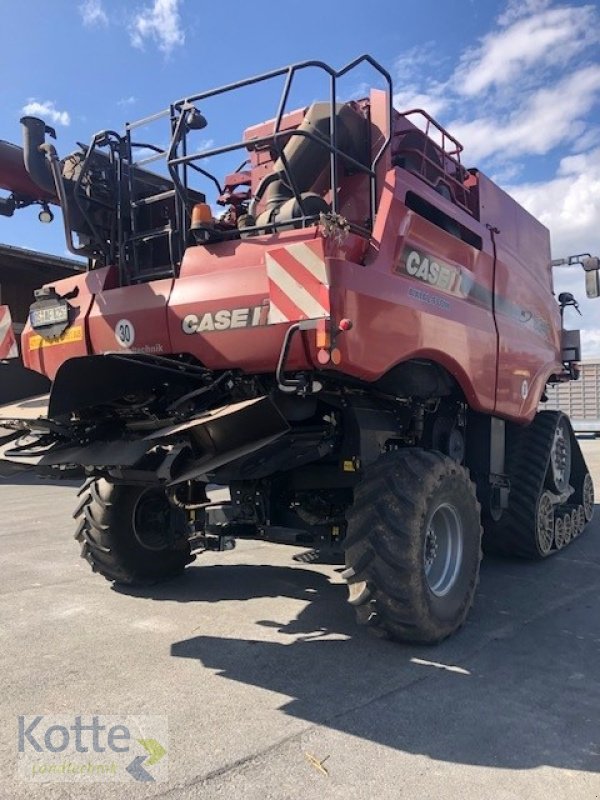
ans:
(517, 82)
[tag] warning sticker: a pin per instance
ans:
(70, 335)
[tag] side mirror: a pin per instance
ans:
(591, 266)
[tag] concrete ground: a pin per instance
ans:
(257, 664)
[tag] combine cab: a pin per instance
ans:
(356, 346)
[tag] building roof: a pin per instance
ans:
(19, 258)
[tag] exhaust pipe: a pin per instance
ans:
(15, 178)
(34, 136)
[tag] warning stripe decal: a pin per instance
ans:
(310, 260)
(8, 343)
(298, 284)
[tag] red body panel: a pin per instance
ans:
(141, 310)
(414, 291)
(395, 314)
(46, 357)
(527, 317)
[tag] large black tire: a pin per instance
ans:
(402, 497)
(131, 534)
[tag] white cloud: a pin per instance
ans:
(127, 101)
(569, 204)
(405, 100)
(554, 35)
(47, 110)
(529, 87)
(515, 9)
(415, 83)
(93, 13)
(548, 117)
(159, 23)
(590, 343)
(205, 144)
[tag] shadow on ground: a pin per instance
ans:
(517, 688)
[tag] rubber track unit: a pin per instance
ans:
(385, 546)
(527, 462)
(104, 530)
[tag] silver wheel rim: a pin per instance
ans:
(588, 497)
(560, 456)
(151, 520)
(559, 533)
(443, 549)
(574, 522)
(580, 521)
(545, 524)
(567, 528)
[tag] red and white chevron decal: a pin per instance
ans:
(298, 283)
(8, 343)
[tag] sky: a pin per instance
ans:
(518, 82)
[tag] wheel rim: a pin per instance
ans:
(574, 523)
(151, 521)
(545, 524)
(443, 549)
(559, 533)
(588, 497)
(580, 521)
(567, 528)
(560, 456)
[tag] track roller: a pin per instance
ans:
(552, 493)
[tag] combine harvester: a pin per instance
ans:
(356, 347)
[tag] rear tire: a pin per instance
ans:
(413, 546)
(131, 534)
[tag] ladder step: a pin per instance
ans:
(154, 198)
(150, 234)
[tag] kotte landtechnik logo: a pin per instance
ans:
(87, 748)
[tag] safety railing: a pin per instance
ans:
(180, 161)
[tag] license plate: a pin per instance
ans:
(52, 315)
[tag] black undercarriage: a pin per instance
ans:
(290, 459)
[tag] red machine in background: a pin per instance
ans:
(357, 346)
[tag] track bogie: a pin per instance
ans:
(552, 493)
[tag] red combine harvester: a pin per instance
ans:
(357, 347)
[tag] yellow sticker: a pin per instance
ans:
(348, 466)
(70, 335)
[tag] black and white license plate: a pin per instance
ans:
(50, 315)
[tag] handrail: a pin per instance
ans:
(179, 160)
(175, 161)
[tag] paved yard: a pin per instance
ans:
(256, 661)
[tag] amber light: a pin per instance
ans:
(201, 215)
(323, 338)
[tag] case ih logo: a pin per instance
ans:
(8, 344)
(298, 289)
(431, 271)
(224, 320)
